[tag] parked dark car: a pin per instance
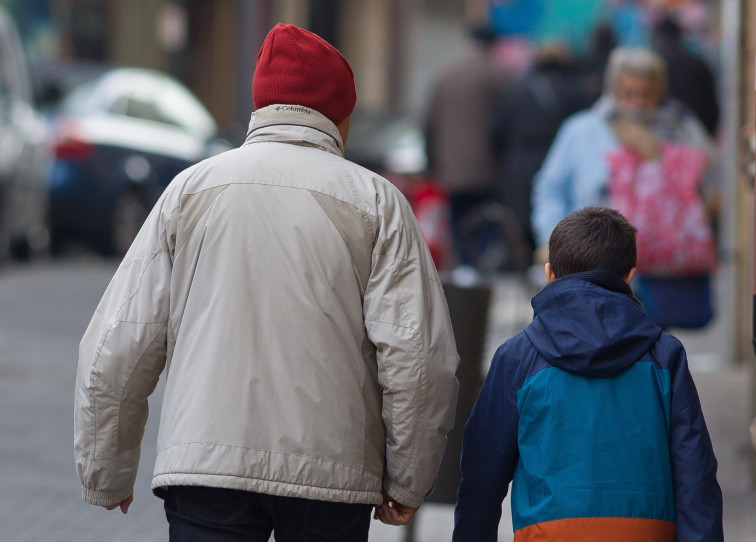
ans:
(25, 153)
(119, 140)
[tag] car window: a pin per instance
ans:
(176, 105)
(143, 95)
(158, 98)
(145, 109)
(146, 96)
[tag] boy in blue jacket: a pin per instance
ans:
(591, 412)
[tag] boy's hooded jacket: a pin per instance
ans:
(593, 415)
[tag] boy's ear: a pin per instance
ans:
(629, 277)
(550, 277)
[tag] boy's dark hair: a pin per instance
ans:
(590, 239)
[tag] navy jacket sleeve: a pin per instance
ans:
(698, 496)
(489, 454)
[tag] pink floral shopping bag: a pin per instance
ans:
(661, 199)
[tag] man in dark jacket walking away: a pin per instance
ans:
(689, 77)
(529, 116)
(591, 412)
(458, 130)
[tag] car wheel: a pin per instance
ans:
(128, 217)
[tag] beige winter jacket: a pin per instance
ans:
(290, 297)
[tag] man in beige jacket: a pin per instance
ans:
(291, 300)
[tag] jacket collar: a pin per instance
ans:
(590, 324)
(604, 279)
(294, 124)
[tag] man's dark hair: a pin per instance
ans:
(590, 239)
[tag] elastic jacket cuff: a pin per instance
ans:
(106, 498)
(404, 496)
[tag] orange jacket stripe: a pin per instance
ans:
(598, 530)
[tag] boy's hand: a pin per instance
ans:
(392, 512)
(123, 505)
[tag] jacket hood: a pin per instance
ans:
(590, 324)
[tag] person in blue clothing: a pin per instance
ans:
(590, 412)
(588, 160)
(634, 112)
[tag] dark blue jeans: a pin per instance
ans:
(206, 514)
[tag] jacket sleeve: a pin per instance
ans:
(551, 185)
(121, 356)
(698, 497)
(407, 319)
(489, 455)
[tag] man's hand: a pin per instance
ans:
(123, 505)
(392, 512)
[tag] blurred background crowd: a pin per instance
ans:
(104, 101)
(497, 76)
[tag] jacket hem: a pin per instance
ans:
(269, 487)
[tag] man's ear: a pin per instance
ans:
(344, 129)
(629, 277)
(550, 277)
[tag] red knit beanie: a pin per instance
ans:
(295, 66)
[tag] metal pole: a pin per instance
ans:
(732, 61)
(730, 64)
(752, 426)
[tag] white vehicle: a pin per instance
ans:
(25, 153)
